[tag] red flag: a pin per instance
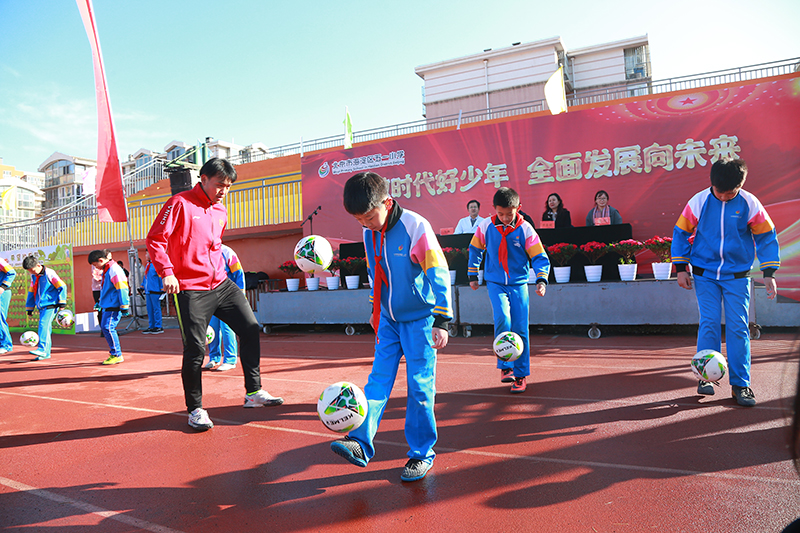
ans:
(110, 194)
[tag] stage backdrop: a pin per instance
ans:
(650, 155)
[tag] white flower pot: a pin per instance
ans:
(480, 277)
(292, 284)
(662, 270)
(593, 272)
(627, 272)
(312, 284)
(352, 282)
(562, 274)
(452, 277)
(332, 282)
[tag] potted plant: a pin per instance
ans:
(350, 267)
(333, 280)
(627, 249)
(453, 256)
(662, 248)
(561, 253)
(291, 269)
(593, 251)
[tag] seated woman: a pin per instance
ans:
(554, 211)
(602, 214)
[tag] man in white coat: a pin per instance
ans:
(469, 223)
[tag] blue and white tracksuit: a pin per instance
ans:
(727, 237)
(7, 275)
(222, 331)
(508, 287)
(114, 300)
(416, 299)
(47, 292)
(153, 290)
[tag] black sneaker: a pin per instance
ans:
(744, 396)
(414, 470)
(156, 331)
(147, 331)
(705, 388)
(350, 450)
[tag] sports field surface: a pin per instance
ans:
(609, 437)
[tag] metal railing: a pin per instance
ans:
(262, 202)
(637, 87)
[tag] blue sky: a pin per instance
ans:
(273, 72)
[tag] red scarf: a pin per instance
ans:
(380, 275)
(502, 252)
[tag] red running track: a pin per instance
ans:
(609, 437)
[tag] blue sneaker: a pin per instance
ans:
(415, 470)
(40, 355)
(350, 450)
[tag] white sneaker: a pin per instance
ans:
(224, 366)
(261, 398)
(211, 365)
(198, 419)
(3, 350)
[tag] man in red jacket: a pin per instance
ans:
(185, 245)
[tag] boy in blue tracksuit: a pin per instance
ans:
(410, 313)
(7, 275)
(114, 301)
(730, 227)
(153, 290)
(223, 334)
(512, 248)
(47, 293)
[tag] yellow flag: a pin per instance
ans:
(555, 94)
(9, 198)
(348, 130)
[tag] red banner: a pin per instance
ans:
(108, 187)
(650, 155)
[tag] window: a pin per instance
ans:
(637, 62)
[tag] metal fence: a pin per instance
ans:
(260, 203)
(616, 92)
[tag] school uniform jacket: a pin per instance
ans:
(415, 267)
(525, 251)
(728, 235)
(114, 292)
(233, 266)
(185, 240)
(151, 282)
(7, 274)
(46, 290)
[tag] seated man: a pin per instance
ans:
(469, 223)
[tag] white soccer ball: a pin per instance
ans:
(342, 407)
(210, 335)
(508, 346)
(313, 253)
(29, 338)
(65, 318)
(709, 365)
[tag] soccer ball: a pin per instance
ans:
(342, 407)
(313, 254)
(508, 346)
(709, 365)
(210, 335)
(29, 338)
(65, 318)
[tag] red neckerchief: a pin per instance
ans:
(502, 252)
(146, 268)
(36, 284)
(380, 275)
